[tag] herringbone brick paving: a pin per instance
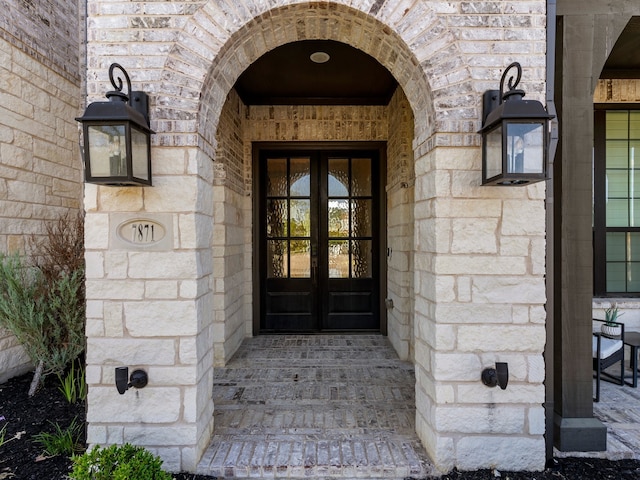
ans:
(315, 406)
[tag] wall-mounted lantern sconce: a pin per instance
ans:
(138, 379)
(117, 143)
(492, 377)
(515, 135)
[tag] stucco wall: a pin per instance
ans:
(40, 166)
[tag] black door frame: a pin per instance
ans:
(257, 147)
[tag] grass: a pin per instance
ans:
(62, 441)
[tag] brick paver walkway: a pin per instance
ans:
(314, 407)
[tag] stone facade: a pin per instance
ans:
(400, 192)
(466, 271)
(40, 166)
(465, 265)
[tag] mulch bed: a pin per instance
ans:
(21, 458)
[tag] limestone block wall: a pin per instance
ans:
(478, 259)
(480, 298)
(399, 228)
(231, 233)
(40, 166)
(151, 307)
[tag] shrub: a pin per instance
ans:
(42, 301)
(118, 462)
(61, 250)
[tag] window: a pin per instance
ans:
(617, 202)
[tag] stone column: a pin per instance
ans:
(150, 307)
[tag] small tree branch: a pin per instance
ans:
(36, 379)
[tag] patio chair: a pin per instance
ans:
(606, 352)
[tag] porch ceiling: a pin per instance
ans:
(624, 60)
(287, 76)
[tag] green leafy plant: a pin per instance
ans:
(73, 385)
(3, 432)
(42, 297)
(611, 315)
(48, 322)
(63, 441)
(118, 462)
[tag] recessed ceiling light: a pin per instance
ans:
(319, 57)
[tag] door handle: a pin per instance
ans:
(314, 270)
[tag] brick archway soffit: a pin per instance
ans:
(224, 37)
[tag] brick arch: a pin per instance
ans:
(219, 43)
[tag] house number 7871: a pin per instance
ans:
(143, 233)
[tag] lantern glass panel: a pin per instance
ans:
(493, 152)
(107, 150)
(525, 148)
(139, 154)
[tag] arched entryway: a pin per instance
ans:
(317, 189)
(239, 126)
(468, 288)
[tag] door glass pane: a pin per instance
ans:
(618, 213)
(339, 259)
(300, 259)
(300, 177)
(616, 246)
(633, 247)
(617, 126)
(615, 277)
(361, 177)
(300, 218)
(361, 259)
(338, 177)
(634, 217)
(338, 218)
(361, 216)
(617, 184)
(277, 177)
(633, 254)
(277, 259)
(634, 125)
(633, 277)
(634, 155)
(617, 154)
(277, 218)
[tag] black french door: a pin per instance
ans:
(319, 240)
